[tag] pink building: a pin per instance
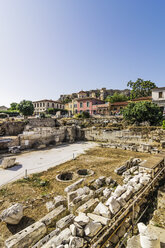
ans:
(88, 104)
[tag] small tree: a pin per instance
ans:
(116, 98)
(26, 108)
(143, 111)
(141, 88)
(13, 106)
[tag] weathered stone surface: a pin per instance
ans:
(76, 242)
(27, 237)
(55, 214)
(65, 221)
(92, 228)
(73, 229)
(98, 218)
(148, 238)
(57, 240)
(106, 192)
(8, 162)
(82, 219)
(121, 201)
(88, 206)
(13, 214)
(101, 209)
(50, 206)
(119, 190)
(60, 200)
(113, 205)
(74, 186)
(45, 239)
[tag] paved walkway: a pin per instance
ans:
(38, 161)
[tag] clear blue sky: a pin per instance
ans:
(53, 47)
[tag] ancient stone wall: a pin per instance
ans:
(49, 136)
(12, 128)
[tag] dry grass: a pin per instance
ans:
(40, 188)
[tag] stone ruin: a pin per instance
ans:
(7, 162)
(143, 147)
(75, 219)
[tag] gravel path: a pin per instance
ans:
(38, 161)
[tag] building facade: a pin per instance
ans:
(44, 105)
(88, 104)
(158, 97)
(71, 107)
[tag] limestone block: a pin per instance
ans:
(88, 206)
(13, 214)
(106, 192)
(144, 180)
(148, 239)
(74, 186)
(101, 209)
(119, 190)
(45, 239)
(65, 221)
(50, 206)
(8, 162)
(60, 200)
(73, 229)
(114, 206)
(54, 215)
(76, 242)
(82, 219)
(57, 240)
(92, 228)
(121, 201)
(98, 218)
(27, 237)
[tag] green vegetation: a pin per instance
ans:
(116, 98)
(26, 108)
(13, 106)
(163, 125)
(83, 115)
(143, 111)
(52, 111)
(141, 88)
(10, 113)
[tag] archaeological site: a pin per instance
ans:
(81, 183)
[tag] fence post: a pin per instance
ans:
(26, 176)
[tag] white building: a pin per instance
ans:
(43, 105)
(158, 97)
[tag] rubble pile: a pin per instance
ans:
(146, 148)
(87, 208)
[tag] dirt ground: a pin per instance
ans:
(42, 187)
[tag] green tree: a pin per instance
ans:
(116, 98)
(141, 88)
(26, 108)
(143, 111)
(13, 106)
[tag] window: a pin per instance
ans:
(40, 104)
(43, 104)
(37, 104)
(57, 106)
(75, 105)
(81, 104)
(87, 104)
(160, 94)
(53, 105)
(48, 104)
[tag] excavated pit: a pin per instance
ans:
(85, 172)
(65, 176)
